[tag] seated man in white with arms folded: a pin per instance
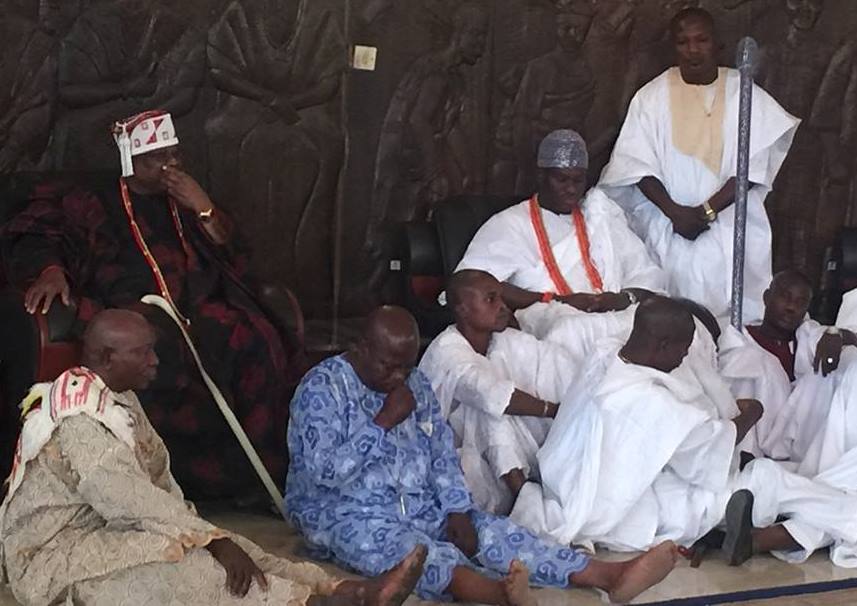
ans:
(673, 170)
(565, 251)
(640, 454)
(497, 386)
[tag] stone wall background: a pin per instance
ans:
(319, 162)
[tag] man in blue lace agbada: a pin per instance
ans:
(374, 472)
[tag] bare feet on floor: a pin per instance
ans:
(516, 586)
(395, 586)
(389, 589)
(644, 571)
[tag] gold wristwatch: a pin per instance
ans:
(710, 213)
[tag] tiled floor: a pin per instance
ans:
(712, 578)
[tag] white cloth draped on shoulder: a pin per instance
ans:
(612, 439)
(847, 317)
(475, 390)
(794, 411)
(701, 269)
(506, 247)
(637, 456)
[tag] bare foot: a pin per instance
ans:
(645, 571)
(516, 586)
(396, 585)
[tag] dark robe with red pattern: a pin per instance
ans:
(86, 232)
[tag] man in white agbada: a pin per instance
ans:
(566, 251)
(791, 363)
(673, 169)
(498, 388)
(640, 454)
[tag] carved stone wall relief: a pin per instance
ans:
(290, 140)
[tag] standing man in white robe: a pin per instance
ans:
(673, 170)
(791, 363)
(639, 454)
(497, 386)
(568, 249)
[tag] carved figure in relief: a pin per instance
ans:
(118, 59)
(556, 92)
(275, 136)
(422, 156)
(28, 74)
(815, 79)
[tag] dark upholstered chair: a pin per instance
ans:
(40, 347)
(432, 249)
(839, 276)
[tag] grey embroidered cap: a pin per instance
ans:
(563, 149)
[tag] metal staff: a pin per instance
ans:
(747, 50)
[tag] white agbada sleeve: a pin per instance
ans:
(754, 373)
(460, 375)
(847, 317)
(638, 428)
(635, 154)
(619, 253)
(500, 247)
(474, 392)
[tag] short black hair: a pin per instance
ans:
(793, 276)
(691, 13)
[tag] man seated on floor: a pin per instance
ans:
(567, 244)
(154, 230)
(790, 363)
(94, 516)
(639, 455)
(374, 472)
(497, 386)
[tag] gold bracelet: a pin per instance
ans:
(545, 411)
(205, 215)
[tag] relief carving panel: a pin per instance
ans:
(321, 164)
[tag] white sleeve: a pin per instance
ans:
(495, 249)
(635, 153)
(638, 268)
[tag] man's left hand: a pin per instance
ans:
(185, 190)
(461, 533)
(828, 352)
(240, 567)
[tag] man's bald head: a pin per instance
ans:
(388, 348)
(464, 282)
(392, 324)
(476, 300)
(119, 346)
(662, 334)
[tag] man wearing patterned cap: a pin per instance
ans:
(673, 170)
(564, 252)
(155, 231)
